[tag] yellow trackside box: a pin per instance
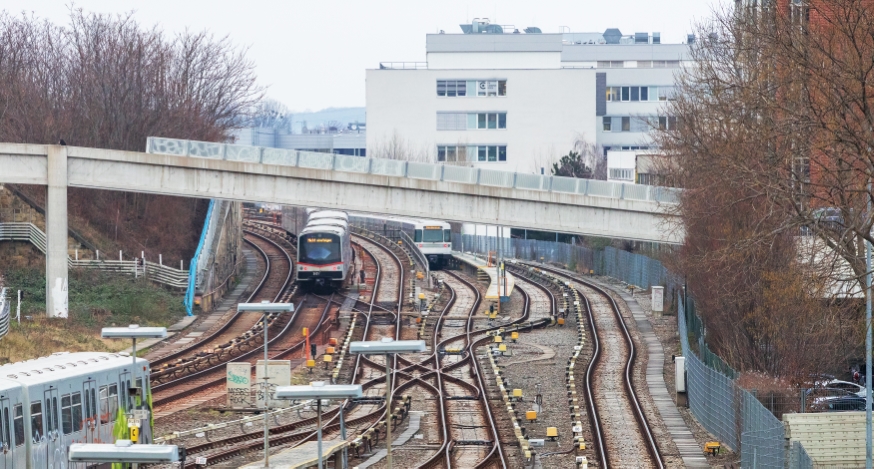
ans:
(551, 431)
(311, 363)
(530, 415)
(517, 393)
(328, 358)
(134, 433)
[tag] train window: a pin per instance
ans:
(93, 413)
(54, 414)
(66, 414)
(50, 416)
(113, 402)
(417, 236)
(18, 421)
(432, 235)
(128, 399)
(76, 408)
(6, 427)
(104, 405)
(447, 236)
(36, 427)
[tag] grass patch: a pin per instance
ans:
(96, 300)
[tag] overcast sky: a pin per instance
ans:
(312, 54)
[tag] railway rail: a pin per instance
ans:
(237, 334)
(359, 421)
(610, 334)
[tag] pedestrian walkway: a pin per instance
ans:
(412, 429)
(690, 452)
(492, 272)
(222, 312)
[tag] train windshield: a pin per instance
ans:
(432, 234)
(319, 249)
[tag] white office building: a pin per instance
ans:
(499, 98)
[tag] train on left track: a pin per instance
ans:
(48, 403)
(324, 250)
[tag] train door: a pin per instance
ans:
(125, 392)
(108, 411)
(7, 446)
(53, 436)
(90, 415)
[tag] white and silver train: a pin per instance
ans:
(432, 237)
(324, 250)
(48, 403)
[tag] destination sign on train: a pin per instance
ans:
(433, 227)
(319, 240)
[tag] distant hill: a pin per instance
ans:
(343, 115)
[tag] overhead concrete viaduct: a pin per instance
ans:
(61, 166)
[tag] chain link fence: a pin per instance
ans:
(732, 414)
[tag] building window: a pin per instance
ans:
(608, 121)
(623, 174)
(488, 120)
(640, 93)
(626, 124)
(483, 153)
(451, 88)
(451, 153)
(611, 64)
(451, 121)
(491, 88)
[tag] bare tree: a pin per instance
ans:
(272, 114)
(107, 81)
(398, 148)
(774, 149)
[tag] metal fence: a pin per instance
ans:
(634, 269)
(732, 414)
(798, 457)
(138, 267)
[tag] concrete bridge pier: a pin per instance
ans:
(56, 233)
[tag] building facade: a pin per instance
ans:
(516, 101)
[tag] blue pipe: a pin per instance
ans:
(192, 267)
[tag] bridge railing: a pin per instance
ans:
(410, 169)
(156, 272)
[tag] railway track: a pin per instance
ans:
(618, 443)
(359, 420)
(237, 335)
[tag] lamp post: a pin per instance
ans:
(387, 346)
(134, 332)
(264, 308)
(318, 390)
(123, 452)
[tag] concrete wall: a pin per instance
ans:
(546, 110)
(225, 255)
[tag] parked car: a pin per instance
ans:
(836, 384)
(843, 404)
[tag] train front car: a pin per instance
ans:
(323, 256)
(434, 239)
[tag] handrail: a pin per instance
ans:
(418, 254)
(413, 170)
(39, 209)
(158, 273)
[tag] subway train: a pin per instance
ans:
(324, 250)
(432, 237)
(48, 403)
